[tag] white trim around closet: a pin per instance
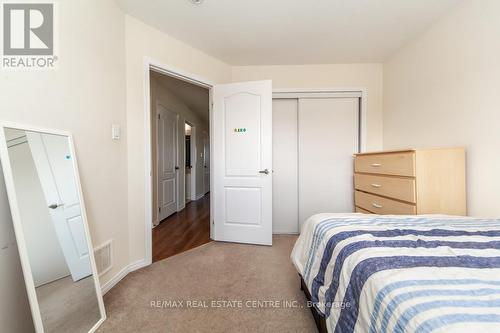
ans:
(348, 92)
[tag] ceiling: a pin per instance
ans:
(272, 32)
(194, 97)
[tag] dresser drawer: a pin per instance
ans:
(393, 187)
(399, 164)
(383, 206)
(361, 210)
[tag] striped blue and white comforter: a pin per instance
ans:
(374, 273)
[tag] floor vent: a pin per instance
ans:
(103, 257)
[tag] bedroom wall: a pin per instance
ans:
(368, 76)
(84, 95)
(442, 89)
(144, 41)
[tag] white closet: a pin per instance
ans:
(285, 166)
(314, 139)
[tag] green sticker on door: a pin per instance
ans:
(240, 130)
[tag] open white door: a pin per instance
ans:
(167, 162)
(54, 165)
(242, 148)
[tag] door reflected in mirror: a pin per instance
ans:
(54, 230)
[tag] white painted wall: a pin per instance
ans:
(45, 254)
(144, 41)
(15, 313)
(85, 95)
(443, 88)
(160, 94)
(368, 76)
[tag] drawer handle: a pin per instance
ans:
(376, 165)
(376, 185)
(376, 205)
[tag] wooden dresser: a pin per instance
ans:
(408, 182)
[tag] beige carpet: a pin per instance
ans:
(67, 306)
(213, 272)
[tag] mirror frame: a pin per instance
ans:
(16, 219)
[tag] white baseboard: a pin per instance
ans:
(121, 274)
(137, 265)
(284, 232)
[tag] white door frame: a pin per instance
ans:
(153, 65)
(330, 93)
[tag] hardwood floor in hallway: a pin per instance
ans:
(184, 230)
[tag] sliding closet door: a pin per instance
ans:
(328, 136)
(285, 167)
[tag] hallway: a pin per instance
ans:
(184, 230)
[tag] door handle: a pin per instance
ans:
(265, 171)
(55, 206)
(176, 168)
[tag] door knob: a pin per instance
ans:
(265, 171)
(55, 206)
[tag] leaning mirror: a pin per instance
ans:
(51, 228)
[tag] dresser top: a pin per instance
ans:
(408, 150)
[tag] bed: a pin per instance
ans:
(388, 273)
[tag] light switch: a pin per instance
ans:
(115, 132)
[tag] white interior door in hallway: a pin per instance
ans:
(242, 162)
(167, 162)
(313, 143)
